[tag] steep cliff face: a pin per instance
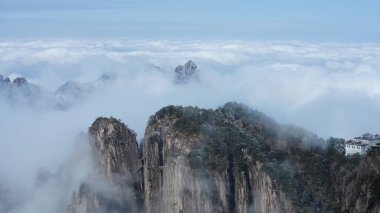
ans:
(357, 183)
(117, 185)
(203, 161)
(115, 151)
(258, 192)
(232, 159)
(171, 185)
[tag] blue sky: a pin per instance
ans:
(322, 20)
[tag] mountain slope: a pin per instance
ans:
(73, 92)
(234, 159)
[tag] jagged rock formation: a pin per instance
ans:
(21, 92)
(20, 81)
(170, 184)
(116, 150)
(186, 73)
(235, 159)
(232, 159)
(117, 160)
(200, 161)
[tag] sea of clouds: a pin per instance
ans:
(331, 89)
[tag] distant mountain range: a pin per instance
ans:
(23, 93)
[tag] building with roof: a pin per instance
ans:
(361, 144)
(353, 147)
(369, 139)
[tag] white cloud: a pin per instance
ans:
(330, 89)
(290, 74)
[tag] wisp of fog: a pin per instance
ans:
(330, 89)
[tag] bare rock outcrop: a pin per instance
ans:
(186, 73)
(171, 185)
(116, 151)
(196, 161)
(20, 81)
(234, 159)
(117, 187)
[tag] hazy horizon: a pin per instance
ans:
(319, 21)
(298, 83)
(310, 64)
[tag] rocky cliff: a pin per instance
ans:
(116, 151)
(206, 161)
(232, 159)
(186, 73)
(355, 183)
(117, 184)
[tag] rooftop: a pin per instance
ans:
(369, 136)
(354, 143)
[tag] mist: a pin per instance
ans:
(330, 89)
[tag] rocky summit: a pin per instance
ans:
(232, 159)
(20, 81)
(186, 73)
(21, 92)
(117, 162)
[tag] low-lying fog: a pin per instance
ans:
(329, 89)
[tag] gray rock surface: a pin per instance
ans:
(118, 187)
(186, 73)
(232, 159)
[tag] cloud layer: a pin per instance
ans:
(330, 89)
(289, 80)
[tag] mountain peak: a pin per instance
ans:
(4, 80)
(20, 81)
(116, 156)
(114, 142)
(190, 66)
(185, 73)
